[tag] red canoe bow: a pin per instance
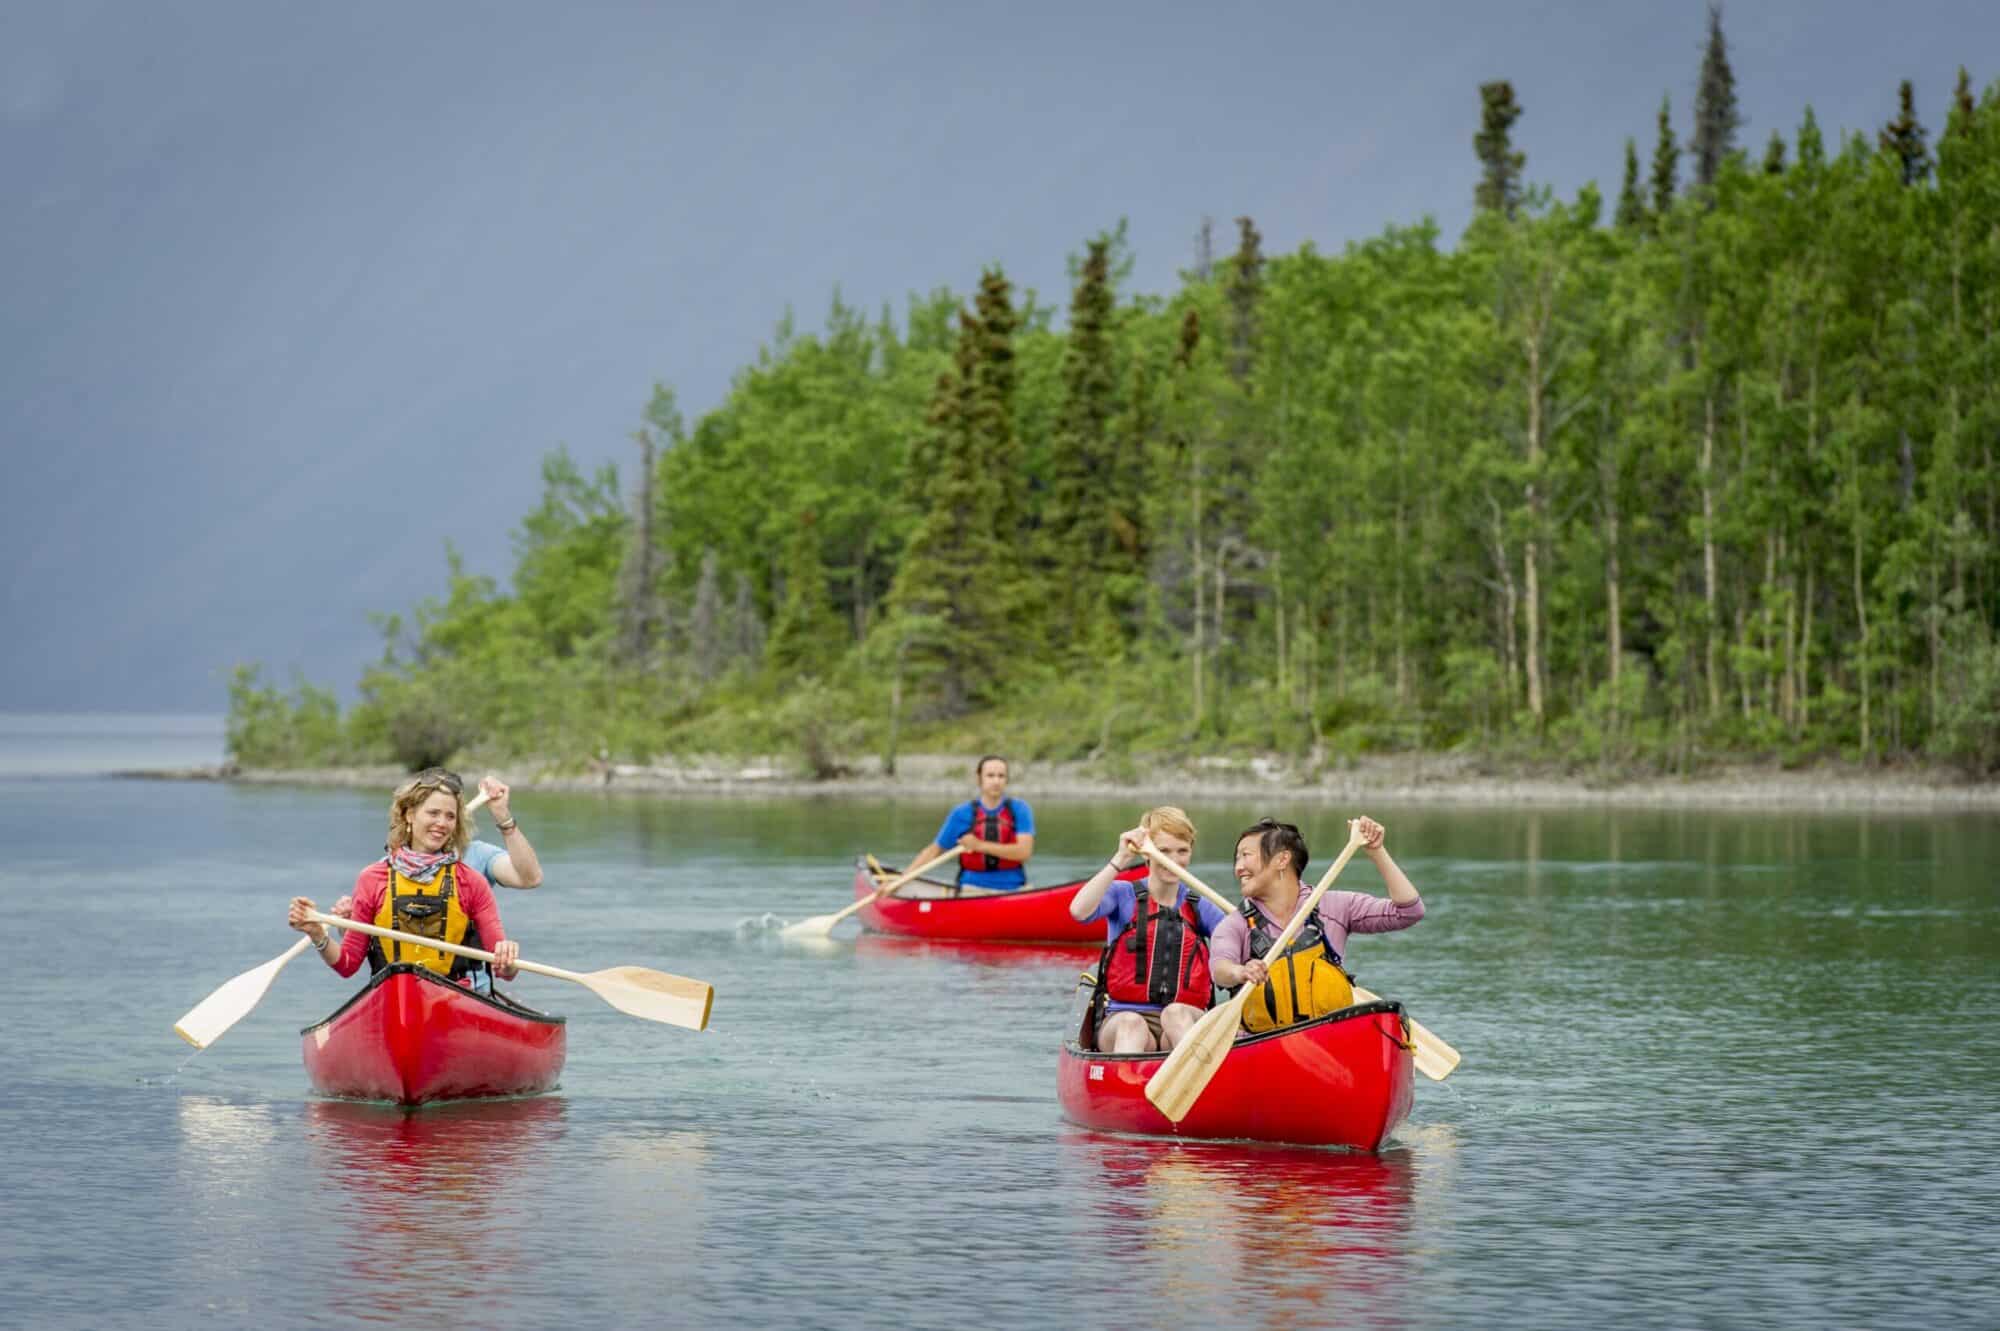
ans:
(412, 1037)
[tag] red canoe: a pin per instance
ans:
(413, 1037)
(931, 909)
(1339, 1080)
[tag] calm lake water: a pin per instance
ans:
(1720, 1070)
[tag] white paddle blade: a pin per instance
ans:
(655, 995)
(819, 926)
(1434, 1058)
(208, 1019)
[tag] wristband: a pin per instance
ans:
(508, 826)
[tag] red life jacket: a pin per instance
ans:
(1159, 958)
(990, 825)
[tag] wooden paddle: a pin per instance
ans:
(821, 926)
(1433, 1057)
(1195, 1060)
(634, 990)
(207, 1020)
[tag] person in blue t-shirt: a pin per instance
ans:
(1153, 982)
(995, 833)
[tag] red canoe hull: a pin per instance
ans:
(926, 909)
(412, 1038)
(1341, 1080)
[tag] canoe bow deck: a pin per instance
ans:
(1339, 1080)
(931, 909)
(412, 1037)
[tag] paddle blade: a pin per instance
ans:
(819, 926)
(208, 1019)
(1197, 1058)
(1434, 1058)
(654, 995)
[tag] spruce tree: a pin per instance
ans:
(1076, 518)
(1499, 187)
(1903, 138)
(1716, 118)
(1631, 214)
(1666, 162)
(1774, 155)
(1812, 144)
(1964, 110)
(957, 591)
(805, 635)
(990, 399)
(1246, 287)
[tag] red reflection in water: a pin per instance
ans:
(429, 1190)
(1301, 1225)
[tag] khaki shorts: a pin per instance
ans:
(1152, 1020)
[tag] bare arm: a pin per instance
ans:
(1401, 890)
(519, 866)
(930, 852)
(1018, 851)
(1087, 897)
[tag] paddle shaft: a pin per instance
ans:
(890, 887)
(1161, 858)
(537, 967)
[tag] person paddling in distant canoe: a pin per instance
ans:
(1153, 979)
(421, 886)
(1308, 980)
(994, 832)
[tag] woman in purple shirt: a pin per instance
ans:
(1270, 857)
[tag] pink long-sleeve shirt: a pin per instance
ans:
(475, 898)
(1340, 914)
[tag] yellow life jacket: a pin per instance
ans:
(1306, 982)
(430, 909)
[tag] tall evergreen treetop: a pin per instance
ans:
(1246, 285)
(1812, 144)
(1499, 187)
(1716, 118)
(1076, 524)
(1631, 214)
(1666, 161)
(1774, 155)
(1904, 138)
(1964, 110)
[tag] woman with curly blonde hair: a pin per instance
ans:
(420, 887)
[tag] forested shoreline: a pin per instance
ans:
(1703, 471)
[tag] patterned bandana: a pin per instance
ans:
(420, 866)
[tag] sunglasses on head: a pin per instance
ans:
(442, 779)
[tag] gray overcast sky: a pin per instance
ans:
(295, 293)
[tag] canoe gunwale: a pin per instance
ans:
(503, 1003)
(1383, 1005)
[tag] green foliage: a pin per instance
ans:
(269, 729)
(1718, 478)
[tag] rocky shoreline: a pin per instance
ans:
(1400, 779)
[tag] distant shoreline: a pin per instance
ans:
(1386, 781)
